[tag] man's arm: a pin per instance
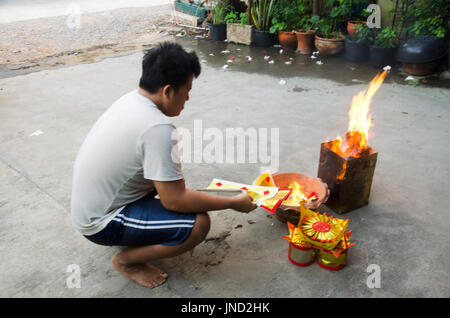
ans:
(174, 196)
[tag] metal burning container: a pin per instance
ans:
(347, 164)
(348, 178)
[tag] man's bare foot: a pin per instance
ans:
(144, 274)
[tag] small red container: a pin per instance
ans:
(327, 260)
(301, 256)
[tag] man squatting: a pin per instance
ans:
(126, 159)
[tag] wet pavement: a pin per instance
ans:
(403, 230)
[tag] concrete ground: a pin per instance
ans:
(404, 230)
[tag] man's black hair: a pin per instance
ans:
(167, 63)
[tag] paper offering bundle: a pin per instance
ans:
(319, 237)
(268, 198)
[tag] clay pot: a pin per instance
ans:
(420, 69)
(286, 213)
(422, 55)
(288, 40)
(305, 41)
(329, 46)
(351, 26)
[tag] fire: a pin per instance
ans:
(355, 142)
(298, 196)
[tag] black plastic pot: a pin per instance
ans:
(382, 56)
(264, 38)
(422, 49)
(341, 26)
(356, 52)
(217, 32)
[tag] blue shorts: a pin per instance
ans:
(146, 222)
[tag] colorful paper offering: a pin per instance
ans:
(264, 180)
(319, 230)
(268, 198)
(300, 252)
(319, 237)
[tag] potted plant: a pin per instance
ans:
(340, 12)
(353, 25)
(382, 52)
(238, 31)
(305, 35)
(284, 19)
(261, 14)
(359, 14)
(327, 40)
(217, 25)
(356, 44)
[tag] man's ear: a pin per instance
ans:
(167, 89)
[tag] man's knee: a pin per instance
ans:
(202, 225)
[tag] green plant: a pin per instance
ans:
(261, 14)
(231, 17)
(244, 18)
(325, 27)
(386, 38)
(220, 8)
(340, 12)
(431, 17)
(362, 34)
(304, 24)
(285, 15)
(411, 17)
(277, 26)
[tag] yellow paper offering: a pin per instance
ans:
(264, 180)
(258, 194)
(268, 198)
(295, 236)
(321, 230)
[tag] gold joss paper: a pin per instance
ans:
(319, 237)
(320, 230)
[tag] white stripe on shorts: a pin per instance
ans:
(152, 222)
(153, 227)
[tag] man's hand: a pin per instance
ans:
(243, 203)
(174, 196)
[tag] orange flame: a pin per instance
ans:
(297, 195)
(355, 141)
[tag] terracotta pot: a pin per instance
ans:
(286, 213)
(329, 46)
(420, 69)
(305, 41)
(288, 40)
(351, 26)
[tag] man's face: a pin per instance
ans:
(174, 101)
